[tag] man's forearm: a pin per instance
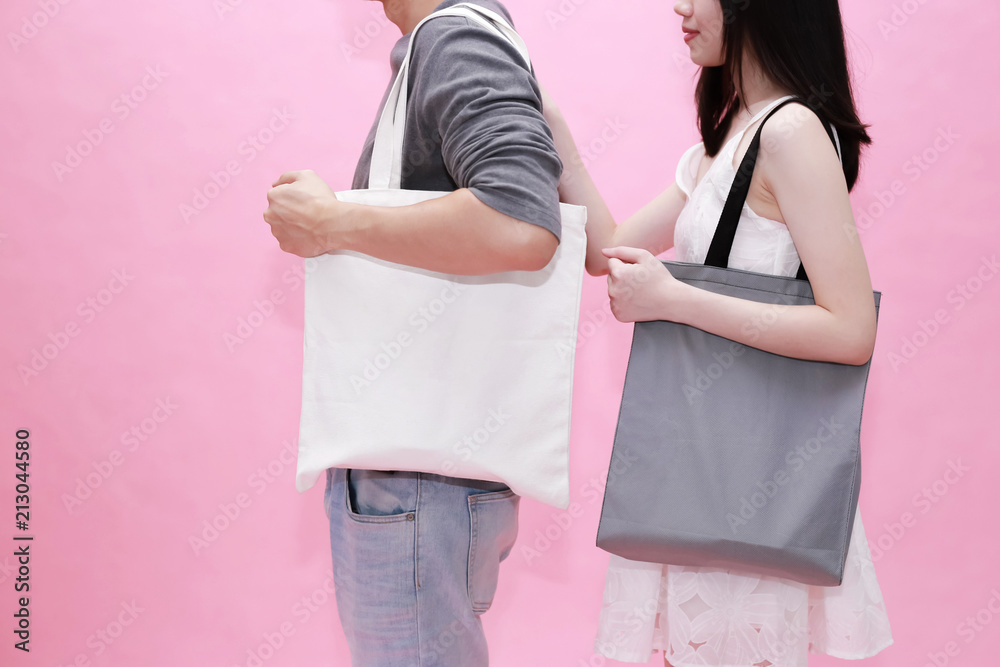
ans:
(455, 234)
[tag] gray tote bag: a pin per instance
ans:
(729, 456)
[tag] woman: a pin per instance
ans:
(753, 55)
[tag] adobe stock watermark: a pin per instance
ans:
(466, 447)
(223, 7)
(591, 151)
(438, 647)
(303, 610)
(263, 309)
(713, 29)
(363, 35)
(927, 329)
(704, 379)
(121, 108)
(7, 569)
(791, 636)
(923, 501)
(642, 613)
(391, 350)
(915, 167)
(899, 16)
(248, 150)
(623, 287)
(797, 116)
(795, 461)
(794, 118)
(589, 324)
(563, 11)
(132, 439)
(230, 511)
(593, 490)
(272, 642)
(682, 61)
(104, 637)
(33, 23)
(41, 357)
(247, 325)
(968, 630)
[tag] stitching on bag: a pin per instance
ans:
(854, 482)
(614, 446)
(762, 278)
(755, 544)
(749, 568)
(857, 463)
(573, 333)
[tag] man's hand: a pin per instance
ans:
(300, 208)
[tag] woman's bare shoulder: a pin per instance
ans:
(795, 134)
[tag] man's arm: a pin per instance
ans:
(496, 146)
(455, 233)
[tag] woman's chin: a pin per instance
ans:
(701, 61)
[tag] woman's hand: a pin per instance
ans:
(640, 286)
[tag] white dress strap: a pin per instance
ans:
(760, 114)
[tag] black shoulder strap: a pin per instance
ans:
(725, 232)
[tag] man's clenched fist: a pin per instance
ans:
(302, 212)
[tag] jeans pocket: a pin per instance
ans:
(374, 561)
(493, 517)
(375, 497)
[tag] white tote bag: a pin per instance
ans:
(465, 376)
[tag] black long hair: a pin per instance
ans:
(799, 44)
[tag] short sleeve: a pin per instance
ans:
(486, 106)
(687, 169)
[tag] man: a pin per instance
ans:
(416, 555)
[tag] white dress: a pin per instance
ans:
(722, 618)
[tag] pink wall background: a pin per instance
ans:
(130, 309)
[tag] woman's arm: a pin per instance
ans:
(798, 166)
(652, 228)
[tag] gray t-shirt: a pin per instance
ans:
(474, 120)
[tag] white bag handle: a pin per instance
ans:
(387, 155)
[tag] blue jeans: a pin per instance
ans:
(416, 558)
